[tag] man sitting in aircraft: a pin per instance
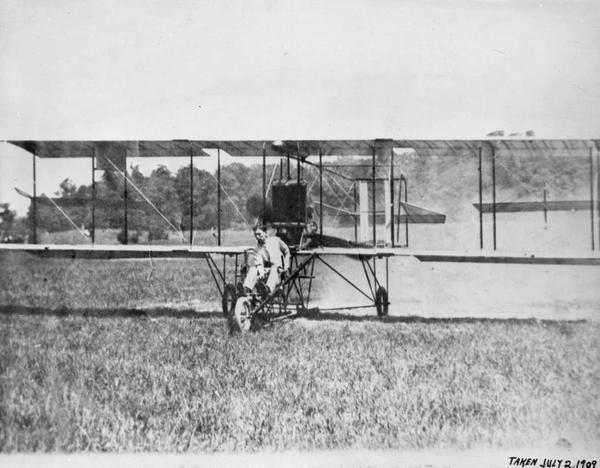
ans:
(272, 259)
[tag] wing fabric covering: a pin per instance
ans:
(305, 148)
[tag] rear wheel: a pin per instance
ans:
(229, 299)
(242, 315)
(381, 302)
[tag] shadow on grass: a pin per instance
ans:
(344, 317)
(314, 316)
(108, 313)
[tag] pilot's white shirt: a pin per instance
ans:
(273, 252)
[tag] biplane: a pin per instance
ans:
(299, 219)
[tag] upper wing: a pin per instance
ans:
(303, 148)
(90, 148)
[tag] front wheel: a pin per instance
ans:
(381, 302)
(241, 316)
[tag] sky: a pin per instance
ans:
(259, 69)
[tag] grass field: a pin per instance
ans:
(67, 285)
(117, 356)
(178, 384)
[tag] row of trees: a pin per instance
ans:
(151, 200)
(447, 184)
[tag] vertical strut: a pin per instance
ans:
(373, 202)
(355, 208)
(298, 167)
(375, 282)
(93, 233)
(399, 207)
(494, 193)
(191, 193)
(280, 169)
(34, 200)
(480, 200)
(125, 197)
(391, 207)
(592, 204)
(235, 272)
(312, 270)
(264, 182)
(406, 207)
(387, 274)
(298, 162)
(321, 193)
(219, 195)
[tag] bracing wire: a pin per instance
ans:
(80, 231)
(312, 184)
(345, 190)
(341, 210)
(147, 200)
(231, 200)
(341, 201)
(271, 179)
(336, 196)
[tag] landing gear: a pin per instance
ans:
(381, 302)
(244, 313)
(229, 299)
(260, 306)
(240, 318)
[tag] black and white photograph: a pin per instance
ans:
(338, 233)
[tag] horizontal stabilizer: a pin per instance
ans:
(555, 205)
(417, 215)
(412, 213)
(23, 194)
(74, 202)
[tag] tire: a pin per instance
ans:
(381, 302)
(229, 299)
(241, 317)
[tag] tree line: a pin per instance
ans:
(448, 184)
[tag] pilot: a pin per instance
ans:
(310, 236)
(271, 260)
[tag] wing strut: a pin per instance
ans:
(34, 201)
(592, 196)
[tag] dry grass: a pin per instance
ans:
(82, 284)
(130, 384)
(72, 381)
